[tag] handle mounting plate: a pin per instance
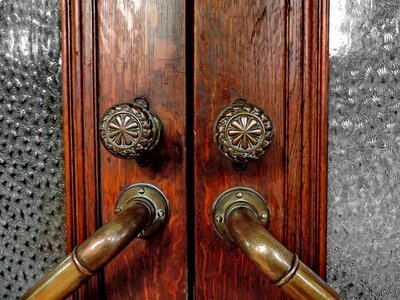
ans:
(150, 196)
(235, 198)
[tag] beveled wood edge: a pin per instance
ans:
(322, 165)
(306, 131)
(78, 39)
(67, 116)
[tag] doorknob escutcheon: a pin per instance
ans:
(130, 130)
(243, 132)
(240, 216)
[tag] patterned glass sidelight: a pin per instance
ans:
(364, 149)
(32, 201)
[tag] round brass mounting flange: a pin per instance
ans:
(153, 198)
(235, 198)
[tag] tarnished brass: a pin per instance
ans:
(130, 130)
(148, 194)
(282, 267)
(243, 132)
(133, 215)
(238, 197)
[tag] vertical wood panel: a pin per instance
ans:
(322, 139)
(274, 53)
(239, 52)
(80, 125)
(268, 52)
(141, 52)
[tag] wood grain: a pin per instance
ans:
(80, 126)
(114, 51)
(141, 52)
(273, 53)
(239, 52)
(267, 52)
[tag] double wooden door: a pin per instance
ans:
(191, 59)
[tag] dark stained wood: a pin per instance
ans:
(239, 52)
(141, 52)
(80, 125)
(273, 53)
(114, 51)
(267, 52)
(323, 122)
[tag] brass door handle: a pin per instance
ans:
(141, 211)
(243, 132)
(130, 130)
(240, 215)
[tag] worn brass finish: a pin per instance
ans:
(59, 283)
(130, 130)
(133, 216)
(112, 237)
(243, 132)
(282, 267)
(238, 197)
(153, 198)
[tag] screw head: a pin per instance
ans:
(219, 219)
(161, 213)
(239, 195)
(263, 215)
(117, 210)
(141, 191)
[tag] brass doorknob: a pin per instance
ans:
(130, 130)
(243, 132)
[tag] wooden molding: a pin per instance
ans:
(80, 124)
(307, 129)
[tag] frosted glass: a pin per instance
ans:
(364, 149)
(32, 202)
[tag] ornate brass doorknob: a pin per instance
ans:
(130, 130)
(243, 132)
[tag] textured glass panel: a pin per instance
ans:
(364, 149)
(32, 209)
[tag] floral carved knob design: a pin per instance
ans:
(130, 130)
(243, 132)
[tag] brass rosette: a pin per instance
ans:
(243, 132)
(129, 130)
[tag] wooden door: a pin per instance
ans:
(191, 60)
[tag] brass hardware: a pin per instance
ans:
(238, 197)
(244, 225)
(155, 200)
(136, 214)
(243, 133)
(130, 130)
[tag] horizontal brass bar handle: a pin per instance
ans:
(140, 208)
(281, 266)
